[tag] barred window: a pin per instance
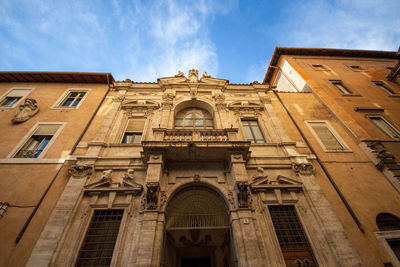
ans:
(98, 247)
(294, 244)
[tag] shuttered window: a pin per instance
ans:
(133, 132)
(38, 141)
(326, 137)
(12, 98)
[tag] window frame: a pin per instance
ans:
(30, 133)
(346, 148)
(192, 110)
(3, 96)
(346, 89)
(395, 128)
(384, 87)
(124, 132)
(259, 127)
(64, 96)
(85, 228)
(319, 67)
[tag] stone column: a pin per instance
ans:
(53, 230)
(243, 227)
(150, 238)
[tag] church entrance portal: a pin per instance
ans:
(197, 231)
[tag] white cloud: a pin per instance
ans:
(356, 24)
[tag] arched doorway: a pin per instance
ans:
(197, 231)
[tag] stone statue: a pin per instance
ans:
(26, 111)
(205, 75)
(243, 194)
(106, 175)
(180, 74)
(151, 196)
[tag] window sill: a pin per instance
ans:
(31, 161)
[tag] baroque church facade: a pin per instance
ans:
(192, 170)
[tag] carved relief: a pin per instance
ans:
(303, 168)
(129, 179)
(81, 170)
(151, 196)
(253, 108)
(193, 76)
(265, 100)
(26, 111)
(106, 175)
(163, 199)
(119, 97)
(167, 99)
(220, 101)
(243, 194)
(231, 199)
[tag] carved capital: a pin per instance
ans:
(303, 168)
(81, 170)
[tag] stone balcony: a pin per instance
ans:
(195, 144)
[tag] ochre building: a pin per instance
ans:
(191, 170)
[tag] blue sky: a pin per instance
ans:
(144, 40)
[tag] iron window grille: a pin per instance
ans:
(294, 244)
(98, 247)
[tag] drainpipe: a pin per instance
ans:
(58, 171)
(348, 207)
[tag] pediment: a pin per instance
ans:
(245, 105)
(280, 181)
(110, 184)
(140, 104)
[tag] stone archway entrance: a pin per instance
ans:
(197, 231)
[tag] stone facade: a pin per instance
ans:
(190, 193)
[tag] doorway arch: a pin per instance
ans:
(197, 229)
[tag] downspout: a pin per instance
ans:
(349, 209)
(62, 165)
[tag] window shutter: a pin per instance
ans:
(326, 136)
(135, 125)
(47, 129)
(18, 92)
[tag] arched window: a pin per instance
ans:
(387, 222)
(191, 118)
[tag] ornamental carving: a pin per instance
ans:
(163, 199)
(167, 99)
(303, 168)
(151, 196)
(193, 76)
(243, 194)
(26, 111)
(205, 75)
(129, 179)
(180, 74)
(246, 107)
(81, 170)
(220, 100)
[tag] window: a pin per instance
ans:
(326, 136)
(38, 141)
(294, 244)
(252, 131)
(339, 85)
(384, 126)
(98, 247)
(193, 118)
(319, 67)
(72, 99)
(384, 88)
(389, 225)
(13, 97)
(133, 132)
